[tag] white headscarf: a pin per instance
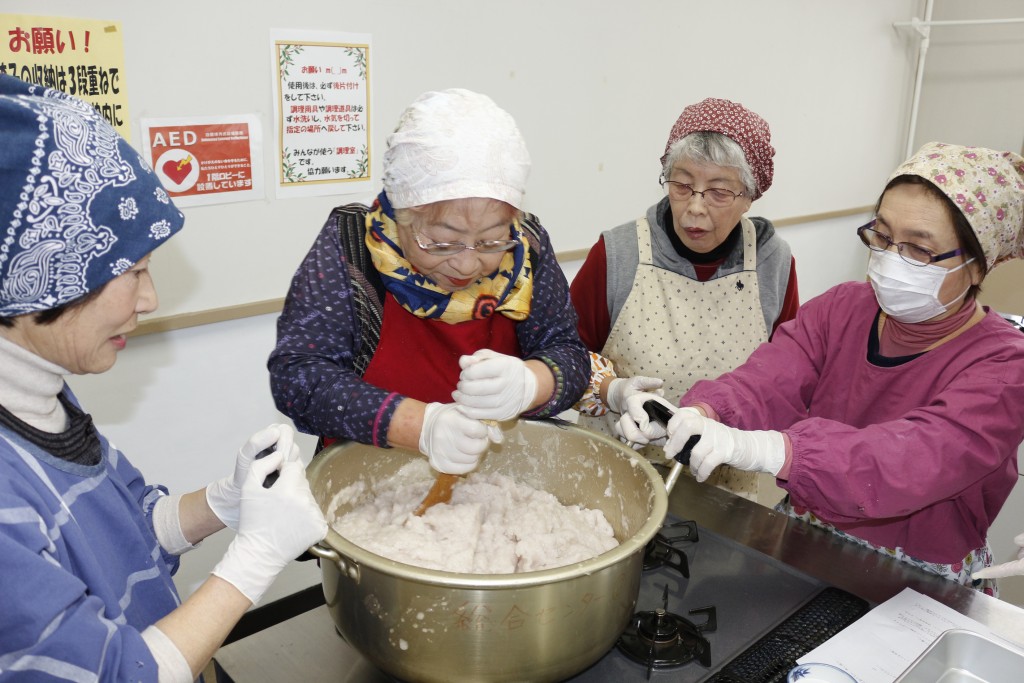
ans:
(455, 144)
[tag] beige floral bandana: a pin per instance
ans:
(986, 185)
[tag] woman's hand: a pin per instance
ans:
(621, 388)
(1011, 568)
(753, 451)
(635, 427)
(223, 495)
(276, 525)
(453, 442)
(493, 386)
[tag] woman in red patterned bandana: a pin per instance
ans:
(688, 290)
(412, 321)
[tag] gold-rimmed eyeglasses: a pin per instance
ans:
(453, 248)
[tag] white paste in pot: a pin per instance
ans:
(493, 525)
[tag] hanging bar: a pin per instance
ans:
(923, 29)
(922, 53)
(964, 22)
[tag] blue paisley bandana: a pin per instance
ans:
(78, 205)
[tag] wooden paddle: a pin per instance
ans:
(441, 490)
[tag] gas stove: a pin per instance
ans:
(703, 599)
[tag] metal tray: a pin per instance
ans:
(959, 656)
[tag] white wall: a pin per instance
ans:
(594, 86)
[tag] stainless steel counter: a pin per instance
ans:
(863, 572)
(307, 647)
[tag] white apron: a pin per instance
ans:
(683, 330)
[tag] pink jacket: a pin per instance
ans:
(920, 456)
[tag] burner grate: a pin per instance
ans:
(661, 639)
(661, 551)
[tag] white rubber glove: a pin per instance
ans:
(453, 442)
(276, 525)
(222, 495)
(753, 451)
(621, 388)
(493, 386)
(1011, 568)
(635, 428)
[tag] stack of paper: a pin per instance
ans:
(879, 646)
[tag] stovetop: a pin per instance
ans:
(752, 589)
(749, 591)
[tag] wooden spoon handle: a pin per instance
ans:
(440, 492)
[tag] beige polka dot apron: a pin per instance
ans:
(707, 329)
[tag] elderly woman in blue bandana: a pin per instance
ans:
(87, 546)
(412, 321)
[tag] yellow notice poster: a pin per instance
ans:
(82, 57)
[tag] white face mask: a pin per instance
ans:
(909, 294)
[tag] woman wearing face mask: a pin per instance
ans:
(891, 410)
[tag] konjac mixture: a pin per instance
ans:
(493, 525)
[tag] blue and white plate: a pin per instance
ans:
(819, 673)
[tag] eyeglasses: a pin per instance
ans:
(909, 252)
(453, 248)
(717, 197)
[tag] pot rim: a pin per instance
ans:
(354, 554)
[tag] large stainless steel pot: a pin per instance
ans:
(423, 625)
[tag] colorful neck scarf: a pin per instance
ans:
(507, 290)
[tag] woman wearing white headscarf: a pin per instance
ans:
(891, 410)
(87, 546)
(443, 284)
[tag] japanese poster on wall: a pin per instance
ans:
(208, 159)
(82, 57)
(321, 85)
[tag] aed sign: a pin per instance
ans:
(206, 161)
